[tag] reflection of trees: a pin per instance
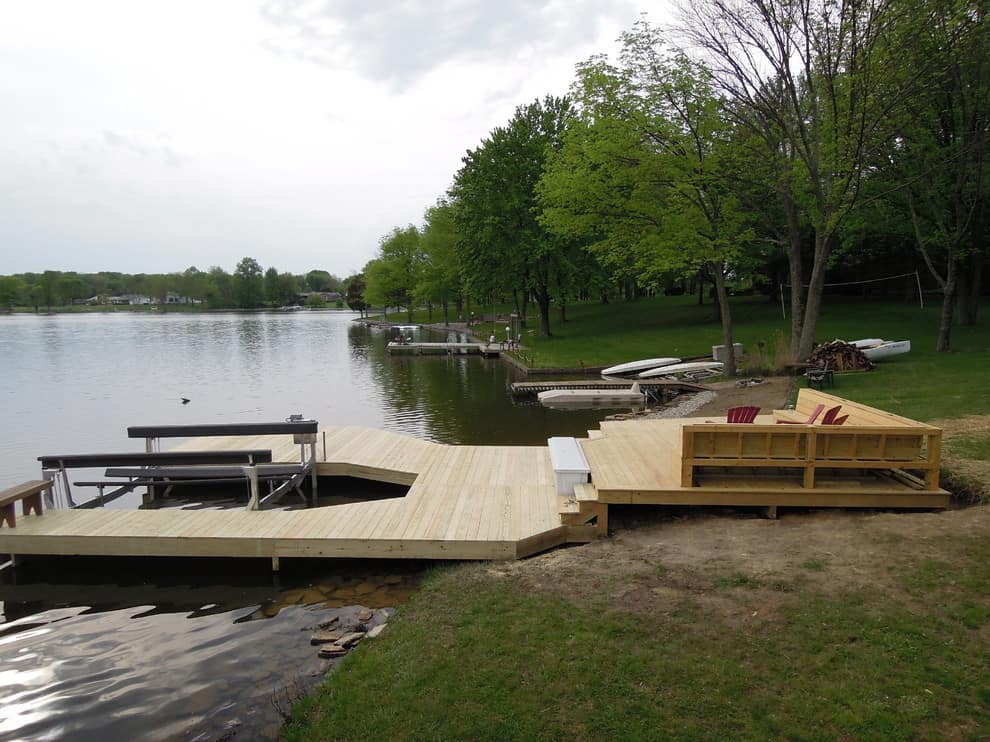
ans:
(459, 398)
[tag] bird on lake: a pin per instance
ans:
(184, 400)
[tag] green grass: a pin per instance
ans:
(922, 384)
(474, 656)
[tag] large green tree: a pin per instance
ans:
(440, 273)
(642, 173)
(503, 247)
(248, 284)
(817, 81)
(393, 275)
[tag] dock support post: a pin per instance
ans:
(275, 564)
(772, 512)
(251, 472)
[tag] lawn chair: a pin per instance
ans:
(829, 417)
(837, 421)
(742, 414)
(811, 418)
(820, 376)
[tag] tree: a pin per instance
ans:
(248, 284)
(504, 248)
(940, 153)
(318, 280)
(10, 289)
(642, 173)
(393, 275)
(47, 289)
(354, 293)
(815, 80)
(440, 274)
(221, 289)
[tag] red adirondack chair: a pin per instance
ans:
(742, 414)
(830, 413)
(837, 421)
(811, 418)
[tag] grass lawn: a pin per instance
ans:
(717, 649)
(819, 626)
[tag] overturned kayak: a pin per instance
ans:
(636, 366)
(876, 349)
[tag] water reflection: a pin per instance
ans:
(104, 649)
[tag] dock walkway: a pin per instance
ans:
(501, 502)
(464, 502)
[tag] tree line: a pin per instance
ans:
(781, 144)
(248, 287)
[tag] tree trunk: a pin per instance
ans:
(796, 275)
(725, 314)
(969, 288)
(446, 312)
(948, 307)
(563, 310)
(813, 305)
(543, 302)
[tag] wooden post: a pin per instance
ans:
(251, 472)
(275, 564)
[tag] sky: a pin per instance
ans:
(148, 136)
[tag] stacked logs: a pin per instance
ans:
(839, 355)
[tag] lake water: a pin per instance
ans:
(126, 649)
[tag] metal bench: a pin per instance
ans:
(303, 432)
(58, 465)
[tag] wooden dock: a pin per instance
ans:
(418, 349)
(501, 502)
(464, 502)
(665, 387)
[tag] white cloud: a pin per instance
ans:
(152, 136)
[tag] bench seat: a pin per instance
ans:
(30, 495)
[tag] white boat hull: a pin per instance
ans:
(886, 349)
(637, 366)
(682, 368)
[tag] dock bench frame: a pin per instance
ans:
(303, 432)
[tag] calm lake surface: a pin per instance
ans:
(128, 649)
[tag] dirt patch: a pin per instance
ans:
(741, 566)
(975, 471)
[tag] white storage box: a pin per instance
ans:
(720, 354)
(570, 467)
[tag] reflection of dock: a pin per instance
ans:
(485, 349)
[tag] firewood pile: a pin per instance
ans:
(839, 356)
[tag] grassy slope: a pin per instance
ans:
(923, 384)
(474, 656)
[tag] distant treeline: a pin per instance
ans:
(249, 286)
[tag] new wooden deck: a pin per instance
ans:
(464, 502)
(500, 502)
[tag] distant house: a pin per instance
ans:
(130, 299)
(328, 296)
(173, 298)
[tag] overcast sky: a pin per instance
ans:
(145, 136)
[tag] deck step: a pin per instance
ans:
(594, 434)
(585, 493)
(567, 505)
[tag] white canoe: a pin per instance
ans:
(637, 366)
(680, 368)
(867, 342)
(885, 349)
(592, 397)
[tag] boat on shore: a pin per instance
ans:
(702, 368)
(877, 349)
(636, 366)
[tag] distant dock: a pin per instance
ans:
(489, 350)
